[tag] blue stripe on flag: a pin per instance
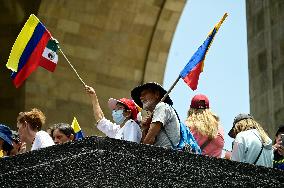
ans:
(198, 56)
(37, 35)
(79, 135)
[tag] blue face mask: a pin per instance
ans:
(118, 117)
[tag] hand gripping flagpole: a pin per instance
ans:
(71, 66)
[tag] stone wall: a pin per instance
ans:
(13, 15)
(114, 45)
(265, 31)
(105, 162)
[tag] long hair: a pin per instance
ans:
(203, 121)
(248, 124)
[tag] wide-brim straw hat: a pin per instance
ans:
(136, 92)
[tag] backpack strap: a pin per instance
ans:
(258, 154)
(205, 144)
(173, 146)
(260, 150)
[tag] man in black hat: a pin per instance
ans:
(163, 128)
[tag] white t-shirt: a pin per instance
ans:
(129, 132)
(42, 140)
(166, 115)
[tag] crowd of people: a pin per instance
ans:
(159, 125)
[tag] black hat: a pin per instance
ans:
(280, 130)
(237, 119)
(136, 92)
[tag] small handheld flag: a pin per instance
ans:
(190, 73)
(32, 26)
(49, 56)
(77, 129)
(27, 51)
(34, 47)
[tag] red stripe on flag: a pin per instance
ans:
(192, 78)
(47, 64)
(33, 61)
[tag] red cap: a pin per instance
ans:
(199, 102)
(127, 102)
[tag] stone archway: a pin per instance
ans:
(114, 45)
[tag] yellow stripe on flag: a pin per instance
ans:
(217, 26)
(221, 21)
(75, 125)
(21, 42)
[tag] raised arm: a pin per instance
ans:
(98, 113)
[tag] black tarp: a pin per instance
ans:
(105, 162)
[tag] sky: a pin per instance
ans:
(224, 79)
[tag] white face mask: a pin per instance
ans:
(148, 104)
(118, 117)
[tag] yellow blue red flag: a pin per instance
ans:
(77, 129)
(27, 52)
(190, 73)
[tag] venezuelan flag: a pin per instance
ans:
(77, 129)
(27, 50)
(190, 73)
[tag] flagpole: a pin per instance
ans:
(171, 88)
(72, 67)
